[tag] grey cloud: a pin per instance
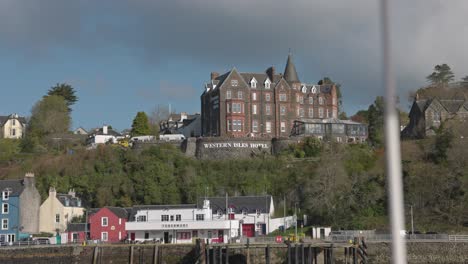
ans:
(336, 38)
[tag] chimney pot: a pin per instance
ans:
(214, 75)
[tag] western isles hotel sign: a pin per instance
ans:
(236, 145)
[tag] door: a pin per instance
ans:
(322, 233)
(132, 236)
(166, 237)
(248, 230)
(220, 236)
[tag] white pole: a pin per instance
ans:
(392, 144)
(412, 222)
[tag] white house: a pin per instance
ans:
(103, 135)
(180, 224)
(12, 126)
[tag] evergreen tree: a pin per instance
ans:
(375, 115)
(441, 75)
(66, 91)
(140, 125)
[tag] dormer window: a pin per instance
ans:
(244, 212)
(234, 82)
(6, 194)
(253, 83)
(267, 84)
(304, 89)
(314, 89)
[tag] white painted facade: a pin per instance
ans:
(181, 224)
(321, 232)
(12, 128)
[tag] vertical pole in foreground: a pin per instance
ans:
(392, 143)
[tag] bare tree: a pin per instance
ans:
(159, 114)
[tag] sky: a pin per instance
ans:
(125, 56)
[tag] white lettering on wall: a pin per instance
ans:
(236, 145)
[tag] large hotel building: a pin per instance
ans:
(237, 104)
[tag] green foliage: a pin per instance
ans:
(375, 115)
(362, 116)
(441, 75)
(9, 148)
(66, 91)
(140, 125)
(443, 142)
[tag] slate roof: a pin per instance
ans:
(15, 186)
(77, 227)
(290, 73)
(136, 208)
(118, 211)
(452, 106)
(249, 204)
(72, 201)
(110, 132)
(3, 119)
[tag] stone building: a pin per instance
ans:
(237, 104)
(428, 114)
(12, 126)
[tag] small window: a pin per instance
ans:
(14, 122)
(301, 99)
(234, 82)
(140, 218)
(320, 101)
(178, 218)
(283, 126)
(228, 107)
(228, 94)
(5, 208)
(200, 217)
(282, 97)
(146, 235)
(301, 112)
(254, 109)
(172, 218)
(267, 109)
(320, 112)
(236, 108)
(229, 125)
(57, 218)
(240, 95)
(4, 224)
(253, 84)
(267, 85)
(13, 132)
(104, 221)
(237, 125)
(311, 100)
(254, 96)
(283, 110)
(311, 112)
(104, 236)
(268, 127)
(164, 218)
(267, 97)
(254, 126)
(6, 195)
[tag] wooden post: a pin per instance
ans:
(131, 255)
(95, 255)
(227, 255)
(332, 254)
(220, 255)
(315, 255)
(302, 254)
(325, 256)
(309, 256)
(267, 254)
(207, 255)
(346, 255)
(289, 253)
(355, 256)
(155, 254)
(248, 254)
(296, 254)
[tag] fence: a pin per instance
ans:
(388, 237)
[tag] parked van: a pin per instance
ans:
(172, 137)
(142, 138)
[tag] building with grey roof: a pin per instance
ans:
(426, 115)
(12, 126)
(243, 104)
(331, 130)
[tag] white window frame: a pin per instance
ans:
(164, 218)
(106, 236)
(253, 83)
(254, 96)
(57, 217)
(268, 127)
(254, 109)
(240, 95)
(120, 221)
(200, 217)
(5, 222)
(283, 126)
(237, 125)
(301, 112)
(229, 125)
(234, 83)
(267, 109)
(311, 100)
(311, 112)
(320, 100)
(236, 108)
(267, 97)
(7, 208)
(102, 221)
(267, 85)
(320, 112)
(6, 195)
(282, 110)
(283, 97)
(178, 217)
(228, 94)
(255, 126)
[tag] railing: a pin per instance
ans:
(458, 238)
(258, 240)
(388, 237)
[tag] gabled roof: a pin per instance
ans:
(110, 132)
(452, 106)
(249, 204)
(15, 187)
(3, 119)
(118, 211)
(290, 73)
(77, 227)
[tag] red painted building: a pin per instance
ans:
(107, 224)
(76, 232)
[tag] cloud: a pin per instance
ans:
(336, 38)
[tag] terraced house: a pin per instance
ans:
(237, 104)
(20, 201)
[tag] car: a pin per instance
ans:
(41, 241)
(431, 233)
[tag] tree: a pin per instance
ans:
(441, 75)
(362, 116)
(49, 116)
(66, 91)
(159, 114)
(140, 125)
(376, 121)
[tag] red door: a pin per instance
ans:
(132, 236)
(248, 230)
(220, 236)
